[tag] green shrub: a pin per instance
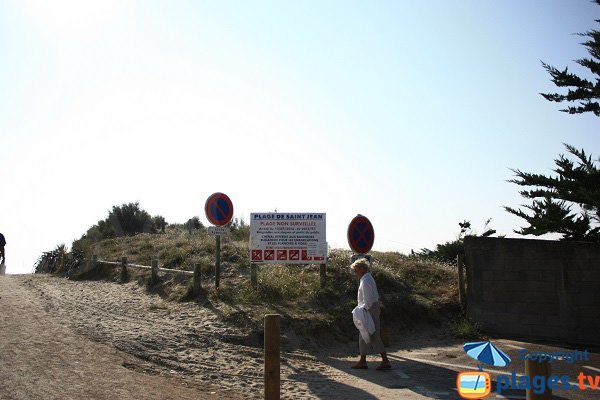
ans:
(465, 328)
(194, 223)
(239, 230)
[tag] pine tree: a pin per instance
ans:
(581, 90)
(568, 203)
(577, 185)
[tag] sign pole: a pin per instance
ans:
(218, 263)
(322, 274)
(219, 210)
(253, 279)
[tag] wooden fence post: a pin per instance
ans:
(154, 271)
(534, 368)
(253, 279)
(272, 357)
(124, 274)
(322, 275)
(462, 293)
(197, 285)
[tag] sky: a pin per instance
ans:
(411, 113)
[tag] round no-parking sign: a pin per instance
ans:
(361, 234)
(219, 209)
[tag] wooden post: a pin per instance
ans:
(124, 274)
(322, 274)
(272, 361)
(197, 279)
(154, 276)
(535, 368)
(462, 293)
(218, 263)
(253, 279)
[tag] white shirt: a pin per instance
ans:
(364, 323)
(367, 291)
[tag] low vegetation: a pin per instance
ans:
(416, 290)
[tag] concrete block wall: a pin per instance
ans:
(536, 289)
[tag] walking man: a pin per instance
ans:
(2, 244)
(368, 297)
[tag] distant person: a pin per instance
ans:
(368, 297)
(2, 244)
(2, 256)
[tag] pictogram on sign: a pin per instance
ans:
(257, 255)
(269, 255)
(294, 254)
(282, 255)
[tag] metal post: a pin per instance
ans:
(535, 368)
(462, 296)
(154, 276)
(218, 263)
(197, 279)
(272, 357)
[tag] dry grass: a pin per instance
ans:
(413, 290)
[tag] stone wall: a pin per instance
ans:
(537, 289)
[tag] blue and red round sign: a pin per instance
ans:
(361, 234)
(219, 209)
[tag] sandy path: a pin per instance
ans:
(62, 339)
(42, 357)
(94, 339)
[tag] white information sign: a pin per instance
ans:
(288, 238)
(219, 230)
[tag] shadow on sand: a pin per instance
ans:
(431, 381)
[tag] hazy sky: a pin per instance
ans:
(408, 112)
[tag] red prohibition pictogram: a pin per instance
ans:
(257, 255)
(305, 256)
(269, 254)
(282, 255)
(294, 254)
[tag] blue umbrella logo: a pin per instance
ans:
(486, 353)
